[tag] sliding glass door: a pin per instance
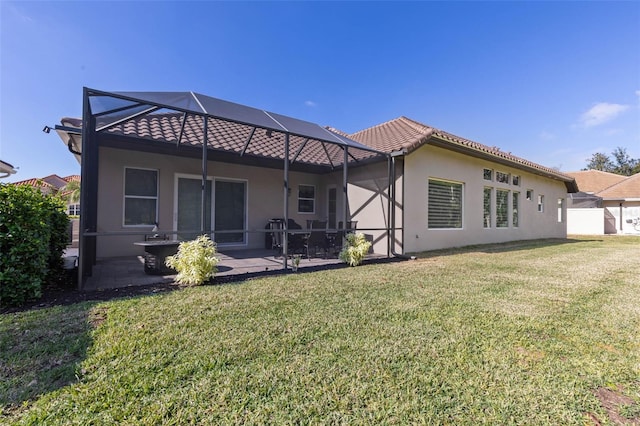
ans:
(229, 201)
(230, 211)
(189, 210)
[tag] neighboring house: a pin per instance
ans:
(606, 204)
(408, 186)
(6, 169)
(54, 184)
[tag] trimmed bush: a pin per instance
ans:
(33, 236)
(195, 261)
(355, 249)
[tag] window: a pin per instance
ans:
(140, 197)
(306, 199)
(529, 194)
(487, 207)
(502, 177)
(541, 203)
(502, 208)
(488, 174)
(515, 180)
(73, 209)
(445, 205)
(560, 210)
(515, 207)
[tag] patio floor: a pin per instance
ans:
(233, 266)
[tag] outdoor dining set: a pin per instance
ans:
(317, 237)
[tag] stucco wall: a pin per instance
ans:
(368, 197)
(432, 162)
(585, 221)
(630, 211)
(264, 188)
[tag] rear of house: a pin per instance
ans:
(409, 187)
(454, 192)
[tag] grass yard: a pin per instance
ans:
(543, 332)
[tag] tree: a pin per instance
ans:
(72, 191)
(623, 165)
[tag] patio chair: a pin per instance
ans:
(317, 238)
(276, 226)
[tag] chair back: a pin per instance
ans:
(276, 227)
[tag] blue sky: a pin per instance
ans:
(553, 82)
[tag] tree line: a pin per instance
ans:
(620, 164)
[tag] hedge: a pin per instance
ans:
(33, 236)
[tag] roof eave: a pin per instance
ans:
(435, 140)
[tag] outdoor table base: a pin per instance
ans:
(156, 253)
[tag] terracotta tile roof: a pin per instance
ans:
(629, 188)
(399, 134)
(406, 134)
(231, 137)
(52, 182)
(594, 181)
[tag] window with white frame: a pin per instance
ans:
(306, 199)
(515, 180)
(487, 174)
(487, 207)
(502, 208)
(444, 204)
(502, 177)
(515, 209)
(73, 209)
(529, 194)
(140, 197)
(541, 203)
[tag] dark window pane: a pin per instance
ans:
(142, 183)
(305, 206)
(502, 208)
(306, 191)
(230, 211)
(487, 208)
(139, 211)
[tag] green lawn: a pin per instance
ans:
(544, 332)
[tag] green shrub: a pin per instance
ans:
(355, 249)
(33, 236)
(195, 261)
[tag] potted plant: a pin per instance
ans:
(295, 262)
(354, 249)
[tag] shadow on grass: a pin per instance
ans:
(41, 351)
(503, 247)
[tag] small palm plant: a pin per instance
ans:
(355, 249)
(195, 261)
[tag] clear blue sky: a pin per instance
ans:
(553, 82)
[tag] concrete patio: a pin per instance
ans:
(233, 266)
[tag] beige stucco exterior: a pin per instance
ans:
(429, 162)
(367, 199)
(264, 197)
